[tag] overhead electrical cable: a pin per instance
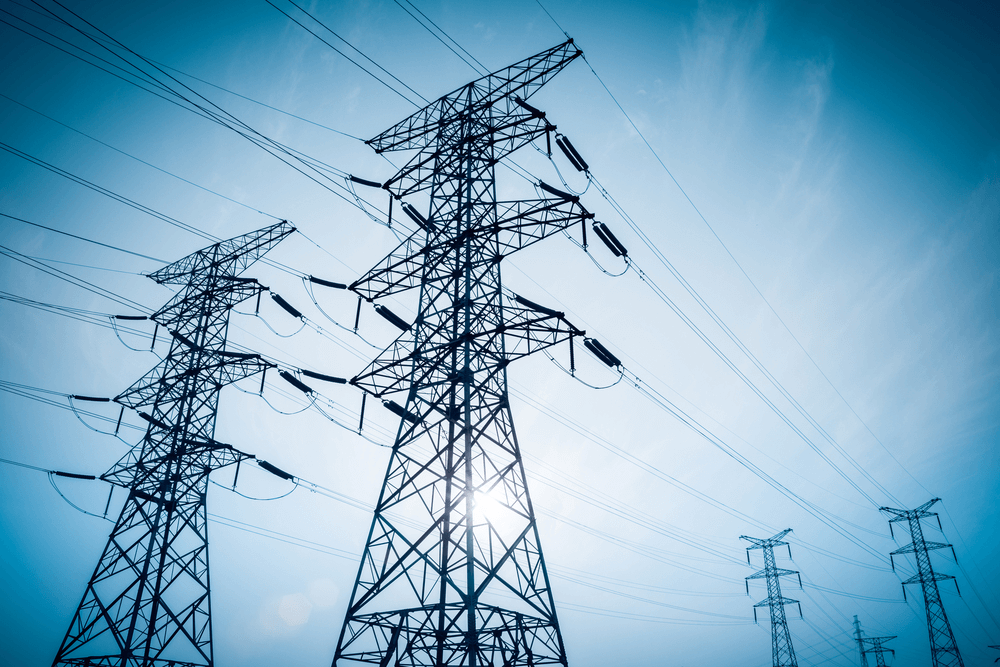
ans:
(206, 108)
(479, 68)
(140, 160)
(330, 30)
(81, 238)
(742, 270)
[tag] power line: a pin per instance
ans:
(81, 238)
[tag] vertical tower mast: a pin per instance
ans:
(453, 573)
(858, 639)
(147, 603)
(944, 649)
(782, 651)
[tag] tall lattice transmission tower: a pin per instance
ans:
(858, 638)
(876, 646)
(944, 649)
(147, 603)
(453, 573)
(782, 651)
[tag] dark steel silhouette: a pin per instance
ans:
(452, 573)
(782, 651)
(875, 645)
(147, 603)
(944, 649)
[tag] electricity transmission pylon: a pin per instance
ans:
(876, 645)
(782, 651)
(453, 573)
(944, 649)
(858, 639)
(147, 603)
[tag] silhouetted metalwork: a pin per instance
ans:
(147, 603)
(861, 646)
(782, 651)
(996, 646)
(875, 645)
(944, 649)
(453, 573)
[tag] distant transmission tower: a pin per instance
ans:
(861, 645)
(782, 651)
(452, 573)
(147, 603)
(875, 645)
(944, 649)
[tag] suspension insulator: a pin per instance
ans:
(558, 193)
(421, 221)
(392, 317)
(601, 235)
(276, 471)
(295, 382)
(131, 317)
(569, 156)
(73, 475)
(90, 398)
(154, 421)
(289, 308)
(400, 411)
(361, 181)
(327, 283)
(237, 355)
(534, 306)
(601, 352)
(571, 153)
(321, 376)
(609, 239)
(537, 113)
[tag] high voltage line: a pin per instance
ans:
(822, 432)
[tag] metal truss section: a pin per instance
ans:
(944, 648)
(147, 603)
(876, 646)
(502, 229)
(782, 651)
(453, 572)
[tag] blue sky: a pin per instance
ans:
(845, 153)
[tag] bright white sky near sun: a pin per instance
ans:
(847, 157)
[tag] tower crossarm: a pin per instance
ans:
(773, 541)
(527, 327)
(168, 380)
(770, 602)
(920, 578)
(222, 292)
(916, 513)
(229, 257)
(912, 548)
(518, 224)
(492, 95)
(780, 572)
(142, 470)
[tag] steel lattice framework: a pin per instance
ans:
(147, 603)
(944, 649)
(858, 639)
(876, 645)
(453, 572)
(782, 651)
